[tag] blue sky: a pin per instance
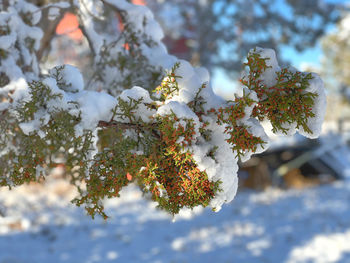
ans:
(310, 56)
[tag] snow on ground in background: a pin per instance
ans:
(312, 225)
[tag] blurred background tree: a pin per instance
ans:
(218, 33)
(336, 49)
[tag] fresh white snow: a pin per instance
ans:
(311, 225)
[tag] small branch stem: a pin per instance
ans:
(125, 126)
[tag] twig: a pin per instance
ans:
(49, 27)
(125, 126)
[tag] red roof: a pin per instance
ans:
(69, 25)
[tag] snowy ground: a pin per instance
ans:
(39, 225)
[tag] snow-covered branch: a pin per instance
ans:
(176, 139)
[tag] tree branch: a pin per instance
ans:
(125, 126)
(88, 38)
(112, 6)
(49, 29)
(118, 125)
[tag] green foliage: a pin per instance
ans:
(31, 156)
(284, 103)
(40, 95)
(109, 172)
(169, 85)
(125, 109)
(128, 61)
(240, 137)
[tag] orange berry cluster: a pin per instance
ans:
(171, 175)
